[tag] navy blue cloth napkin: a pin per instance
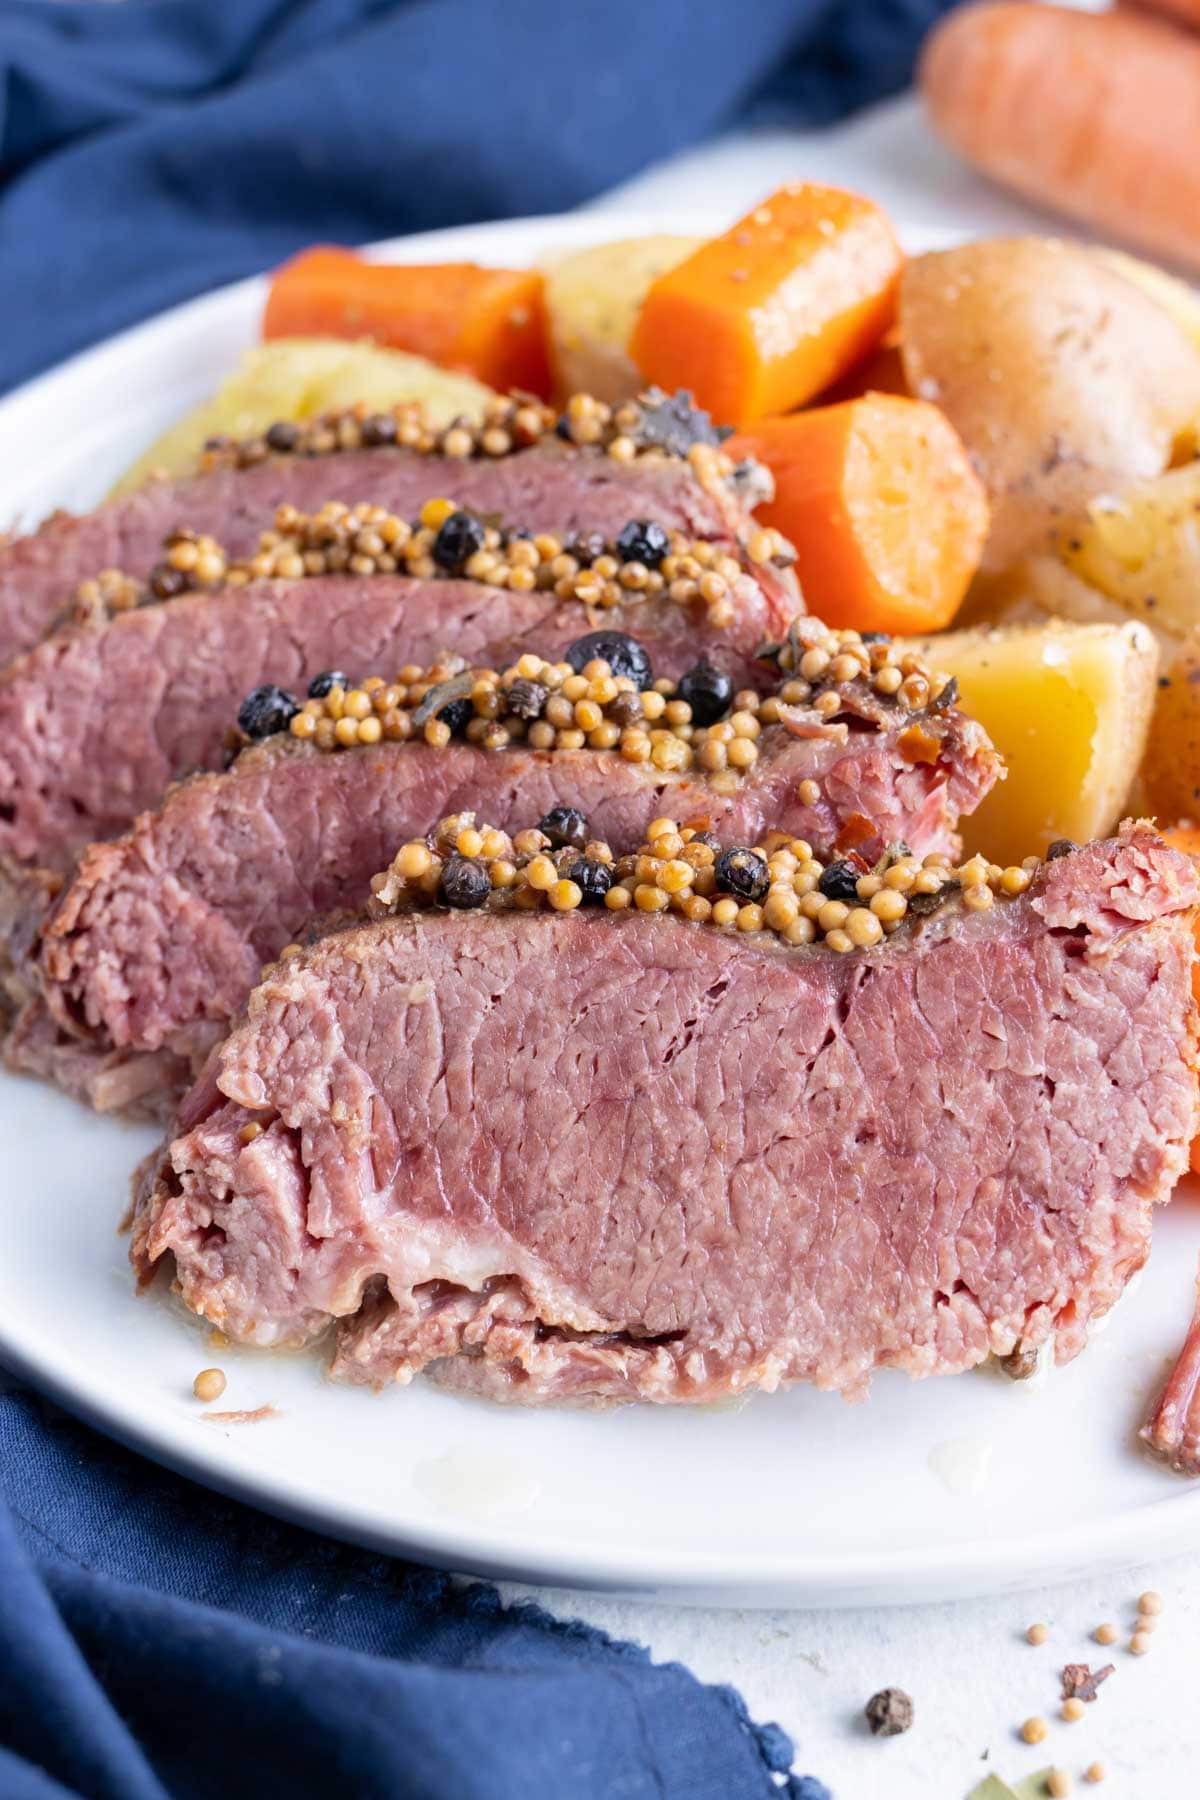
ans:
(155, 148)
(156, 1641)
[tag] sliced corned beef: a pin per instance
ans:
(97, 719)
(169, 926)
(1173, 1431)
(549, 487)
(608, 1155)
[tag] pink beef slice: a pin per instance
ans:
(607, 1157)
(550, 487)
(170, 925)
(96, 720)
(1173, 1431)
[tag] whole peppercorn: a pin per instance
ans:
(325, 682)
(1060, 847)
(627, 709)
(623, 654)
(586, 546)
(456, 715)
(527, 699)
(464, 883)
(889, 1712)
(642, 540)
(379, 428)
(566, 828)
(592, 878)
(742, 872)
(165, 582)
(840, 881)
(458, 538)
(283, 436)
(708, 691)
(266, 710)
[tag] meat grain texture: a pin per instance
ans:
(160, 935)
(549, 487)
(610, 1157)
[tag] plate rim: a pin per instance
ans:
(510, 1550)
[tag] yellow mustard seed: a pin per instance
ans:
(1095, 1773)
(1034, 1730)
(1150, 1603)
(617, 898)
(370, 731)
(469, 842)
(1058, 1784)
(1140, 1643)
(1106, 1633)
(209, 1384)
(346, 732)
(839, 940)
(863, 928)
(742, 753)
(832, 915)
(809, 792)
(1146, 1622)
(650, 899)
(725, 911)
(565, 896)
(1037, 1634)
(541, 873)
(501, 872)
(1073, 1710)
(435, 512)
(750, 917)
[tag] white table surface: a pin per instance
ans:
(971, 1675)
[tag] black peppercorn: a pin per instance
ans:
(708, 691)
(586, 546)
(644, 541)
(840, 880)
(593, 879)
(165, 581)
(379, 428)
(566, 827)
(325, 682)
(623, 654)
(464, 883)
(283, 436)
(266, 710)
(460, 536)
(1061, 847)
(889, 1712)
(742, 872)
(457, 714)
(526, 699)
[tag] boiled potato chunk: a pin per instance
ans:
(592, 299)
(1173, 295)
(297, 378)
(1141, 547)
(1171, 770)
(1068, 707)
(1063, 378)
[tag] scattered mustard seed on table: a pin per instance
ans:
(1140, 1642)
(1037, 1634)
(1150, 1603)
(1034, 1730)
(1073, 1710)
(1146, 1622)
(209, 1384)
(1106, 1634)
(1095, 1772)
(1058, 1783)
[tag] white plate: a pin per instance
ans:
(792, 1499)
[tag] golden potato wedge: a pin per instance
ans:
(1170, 785)
(1141, 548)
(296, 378)
(1068, 706)
(592, 300)
(1063, 378)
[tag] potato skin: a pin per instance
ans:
(1062, 377)
(1171, 766)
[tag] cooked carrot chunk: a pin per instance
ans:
(886, 514)
(490, 323)
(787, 301)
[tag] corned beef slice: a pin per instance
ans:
(97, 720)
(172, 923)
(613, 1156)
(550, 487)
(1173, 1431)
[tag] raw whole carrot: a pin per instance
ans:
(787, 301)
(1187, 839)
(490, 323)
(886, 514)
(1098, 115)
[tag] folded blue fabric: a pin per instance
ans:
(156, 1641)
(156, 148)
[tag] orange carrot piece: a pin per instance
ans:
(882, 373)
(1187, 839)
(490, 323)
(787, 301)
(886, 514)
(1094, 114)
